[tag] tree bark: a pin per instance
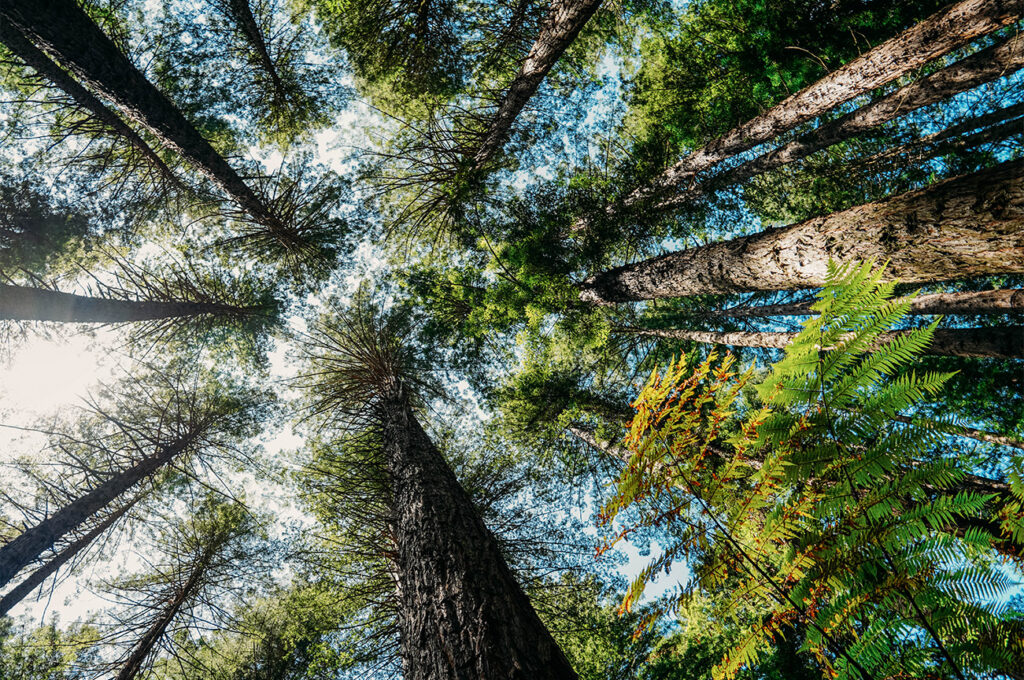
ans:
(967, 303)
(22, 303)
(979, 68)
(144, 647)
(241, 12)
(45, 67)
(1001, 342)
(37, 577)
(61, 29)
(958, 228)
(28, 546)
(462, 615)
(560, 29)
(941, 33)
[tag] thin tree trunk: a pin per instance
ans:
(1001, 342)
(63, 30)
(967, 303)
(560, 29)
(28, 546)
(22, 303)
(979, 68)
(462, 613)
(932, 38)
(241, 12)
(144, 647)
(970, 433)
(45, 67)
(37, 577)
(958, 228)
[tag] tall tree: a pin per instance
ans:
(64, 31)
(461, 611)
(957, 228)
(943, 32)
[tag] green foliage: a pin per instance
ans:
(827, 514)
(45, 653)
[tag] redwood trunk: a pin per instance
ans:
(958, 228)
(561, 27)
(20, 303)
(1001, 342)
(37, 577)
(27, 547)
(61, 29)
(979, 68)
(969, 303)
(144, 647)
(45, 67)
(938, 35)
(462, 614)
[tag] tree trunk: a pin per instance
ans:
(969, 432)
(1001, 342)
(958, 228)
(27, 547)
(144, 647)
(979, 68)
(462, 614)
(241, 12)
(37, 577)
(561, 27)
(63, 30)
(939, 34)
(21, 303)
(967, 303)
(45, 67)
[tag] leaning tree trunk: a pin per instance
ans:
(61, 29)
(999, 342)
(45, 67)
(462, 614)
(958, 228)
(37, 577)
(144, 647)
(939, 34)
(21, 303)
(28, 546)
(967, 303)
(563, 24)
(241, 12)
(969, 432)
(979, 68)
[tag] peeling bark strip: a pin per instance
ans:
(61, 29)
(462, 614)
(37, 60)
(561, 27)
(1001, 342)
(19, 303)
(37, 577)
(969, 303)
(989, 64)
(935, 36)
(958, 228)
(27, 547)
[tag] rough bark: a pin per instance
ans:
(563, 24)
(144, 647)
(21, 303)
(941, 33)
(1002, 342)
(979, 68)
(37, 577)
(61, 29)
(968, 303)
(45, 67)
(958, 228)
(462, 615)
(28, 546)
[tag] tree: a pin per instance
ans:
(460, 610)
(923, 234)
